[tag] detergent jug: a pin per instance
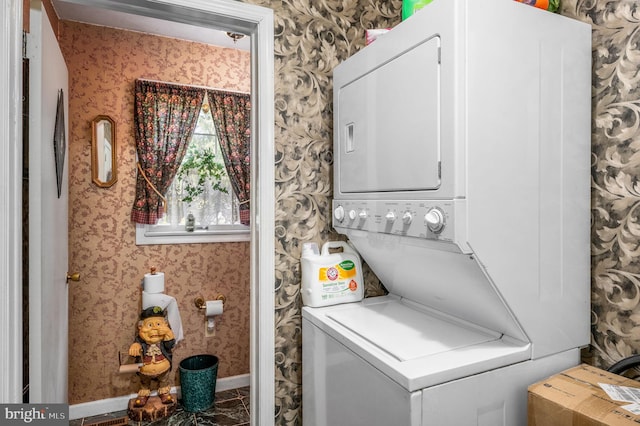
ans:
(330, 278)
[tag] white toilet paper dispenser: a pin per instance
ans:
(201, 303)
(210, 308)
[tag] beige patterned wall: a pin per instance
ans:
(103, 64)
(615, 237)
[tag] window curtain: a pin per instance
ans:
(165, 118)
(232, 118)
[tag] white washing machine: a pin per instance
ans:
(462, 177)
(388, 362)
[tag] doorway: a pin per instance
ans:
(229, 15)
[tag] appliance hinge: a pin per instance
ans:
(439, 169)
(24, 44)
(439, 55)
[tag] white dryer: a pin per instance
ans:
(462, 177)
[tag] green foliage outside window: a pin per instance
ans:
(198, 166)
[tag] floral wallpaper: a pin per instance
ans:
(103, 64)
(615, 247)
(311, 38)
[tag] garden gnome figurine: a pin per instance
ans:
(153, 345)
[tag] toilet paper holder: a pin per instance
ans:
(201, 303)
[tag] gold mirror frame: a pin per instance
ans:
(103, 151)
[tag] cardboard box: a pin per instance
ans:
(574, 398)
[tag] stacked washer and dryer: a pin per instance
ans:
(462, 177)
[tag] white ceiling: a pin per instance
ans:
(109, 18)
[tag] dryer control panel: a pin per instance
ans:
(432, 220)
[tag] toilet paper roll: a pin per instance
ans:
(129, 368)
(213, 307)
(153, 283)
(170, 305)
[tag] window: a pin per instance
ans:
(201, 191)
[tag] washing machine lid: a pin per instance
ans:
(436, 347)
(407, 333)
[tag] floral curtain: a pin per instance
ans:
(165, 118)
(232, 118)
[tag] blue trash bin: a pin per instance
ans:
(198, 376)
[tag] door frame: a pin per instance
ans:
(11, 207)
(231, 15)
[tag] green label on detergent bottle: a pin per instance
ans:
(410, 6)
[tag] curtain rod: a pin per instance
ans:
(194, 85)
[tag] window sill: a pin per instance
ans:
(149, 235)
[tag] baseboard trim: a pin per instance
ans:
(110, 405)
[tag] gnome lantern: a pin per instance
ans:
(153, 345)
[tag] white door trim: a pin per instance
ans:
(11, 205)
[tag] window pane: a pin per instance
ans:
(209, 206)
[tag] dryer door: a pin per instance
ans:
(389, 124)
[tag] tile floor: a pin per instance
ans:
(231, 408)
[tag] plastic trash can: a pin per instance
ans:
(198, 376)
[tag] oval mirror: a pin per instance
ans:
(103, 151)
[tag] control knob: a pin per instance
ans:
(362, 215)
(407, 218)
(352, 214)
(434, 219)
(338, 213)
(391, 217)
